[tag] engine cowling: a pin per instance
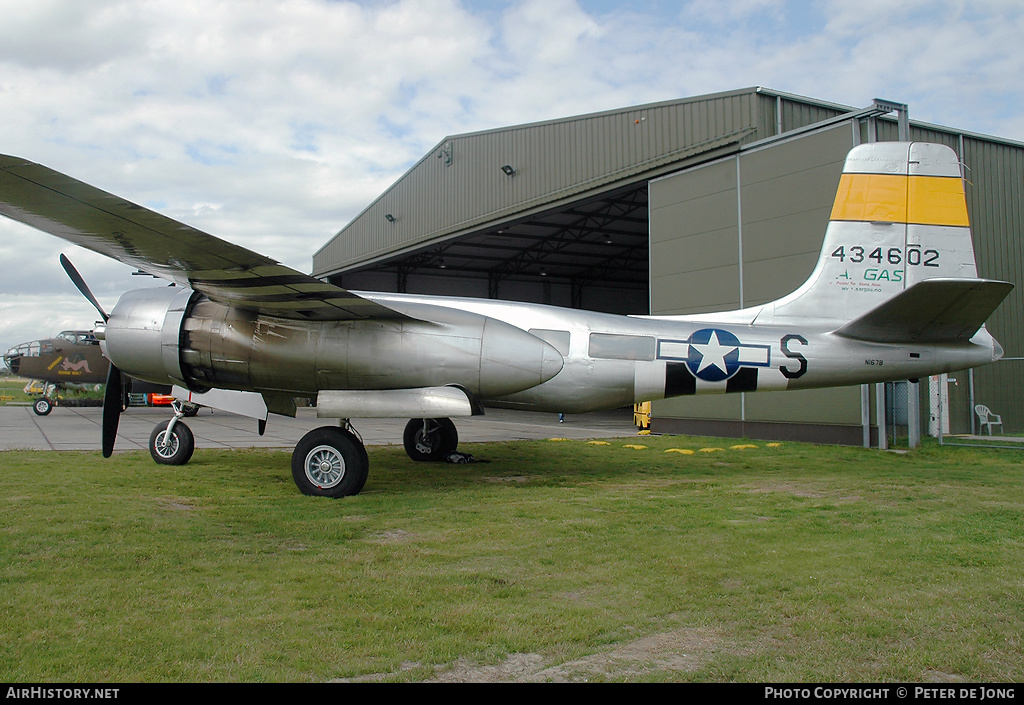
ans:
(142, 336)
(177, 336)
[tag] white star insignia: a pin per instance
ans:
(713, 353)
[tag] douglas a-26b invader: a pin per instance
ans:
(895, 295)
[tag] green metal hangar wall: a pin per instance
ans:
(702, 204)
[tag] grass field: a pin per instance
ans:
(12, 392)
(553, 561)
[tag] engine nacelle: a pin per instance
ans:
(177, 336)
(142, 337)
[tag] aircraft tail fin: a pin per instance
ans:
(899, 219)
(930, 312)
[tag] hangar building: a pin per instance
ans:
(701, 204)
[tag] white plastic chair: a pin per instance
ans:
(987, 417)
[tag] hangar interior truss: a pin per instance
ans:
(601, 242)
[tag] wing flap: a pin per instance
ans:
(931, 311)
(102, 222)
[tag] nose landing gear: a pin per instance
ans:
(172, 443)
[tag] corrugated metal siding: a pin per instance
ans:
(798, 113)
(995, 176)
(794, 112)
(553, 161)
(994, 179)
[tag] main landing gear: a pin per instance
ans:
(44, 404)
(329, 461)
(430, 439)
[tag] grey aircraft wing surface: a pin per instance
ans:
(226, 273)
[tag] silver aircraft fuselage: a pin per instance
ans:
(612, 360)
(508, 354)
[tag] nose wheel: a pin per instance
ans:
(172, 446)
(44, 404)
(172, 443)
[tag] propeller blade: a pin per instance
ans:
(82, 286)
(112, 400)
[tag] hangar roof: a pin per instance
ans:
(564, 199)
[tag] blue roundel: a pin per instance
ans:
(714, 354)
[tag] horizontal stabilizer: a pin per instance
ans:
(931, 311)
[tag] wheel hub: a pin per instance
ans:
(166, 445)
(325, 467)
(426, 440)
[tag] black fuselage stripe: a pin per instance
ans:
(678, 380)
(745, 380)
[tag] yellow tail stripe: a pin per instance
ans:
(936, 200)
(887, 198)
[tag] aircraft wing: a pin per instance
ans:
(142, 238)
(931, 311)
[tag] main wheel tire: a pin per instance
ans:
(430, 439)
(330, 462)
(178, 451)
(42, 407)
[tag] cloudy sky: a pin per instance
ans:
(272, 123)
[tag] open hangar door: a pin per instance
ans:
(591, 254)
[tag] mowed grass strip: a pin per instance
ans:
(791, 563)
(12, 391)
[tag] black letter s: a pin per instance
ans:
(788, 373)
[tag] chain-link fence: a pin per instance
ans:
(981, 407)
(897, 419)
